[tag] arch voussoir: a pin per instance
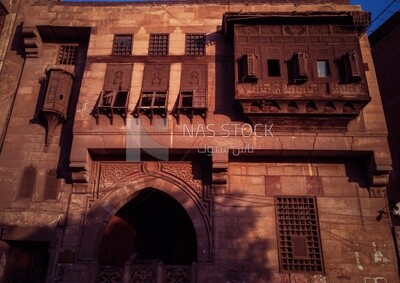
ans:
(106, 206)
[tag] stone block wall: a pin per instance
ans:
(343, 170)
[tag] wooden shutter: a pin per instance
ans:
(249, 67)
(300, 67)
(351, 67)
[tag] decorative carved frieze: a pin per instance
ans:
(112, 173)
(191, 173)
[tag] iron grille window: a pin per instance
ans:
(28, 181)
(67, 54)
(195, 44)
(158, 44)
(52, 185)
(122, 45)
(298, 234)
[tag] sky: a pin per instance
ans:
(376, 7)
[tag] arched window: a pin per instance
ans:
(28, 181)
(52, 185)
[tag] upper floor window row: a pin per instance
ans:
(298, 68)
(159, 44)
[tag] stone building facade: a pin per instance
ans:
(386, 70)
(190, 141)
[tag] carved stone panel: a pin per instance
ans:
(111, 173)
(194, 77)
(118, 77)
(156, 77)
(189, 173)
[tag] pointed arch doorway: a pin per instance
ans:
(153, 236)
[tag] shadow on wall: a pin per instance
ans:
(153, 227)
(241, 243)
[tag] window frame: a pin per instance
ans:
(115, 50)
(327, 68)
(188, 48)
(269, 65)
(154, 40)
(68, 54)
(304, 210)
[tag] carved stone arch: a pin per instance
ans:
(106, 206)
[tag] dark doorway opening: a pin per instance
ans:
(27, 262)
(151, 227)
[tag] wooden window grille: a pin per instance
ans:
(300, 67)
(249, 68)
(154, 95)
(114, 98)
(195, 44)
(52, 185)
(298, 234)
(67, 54)
(192, 98)
(28, 182)
(122, 45)
(158, 44)
(350, 68)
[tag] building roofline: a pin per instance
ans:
(385, 29)
(227, 2)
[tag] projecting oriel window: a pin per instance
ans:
(122, 45)
(298, 234)
(323, 68)
(67, 54)
(158, 44)
(274, 69)
(195, 44)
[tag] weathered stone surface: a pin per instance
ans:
(222, 175)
